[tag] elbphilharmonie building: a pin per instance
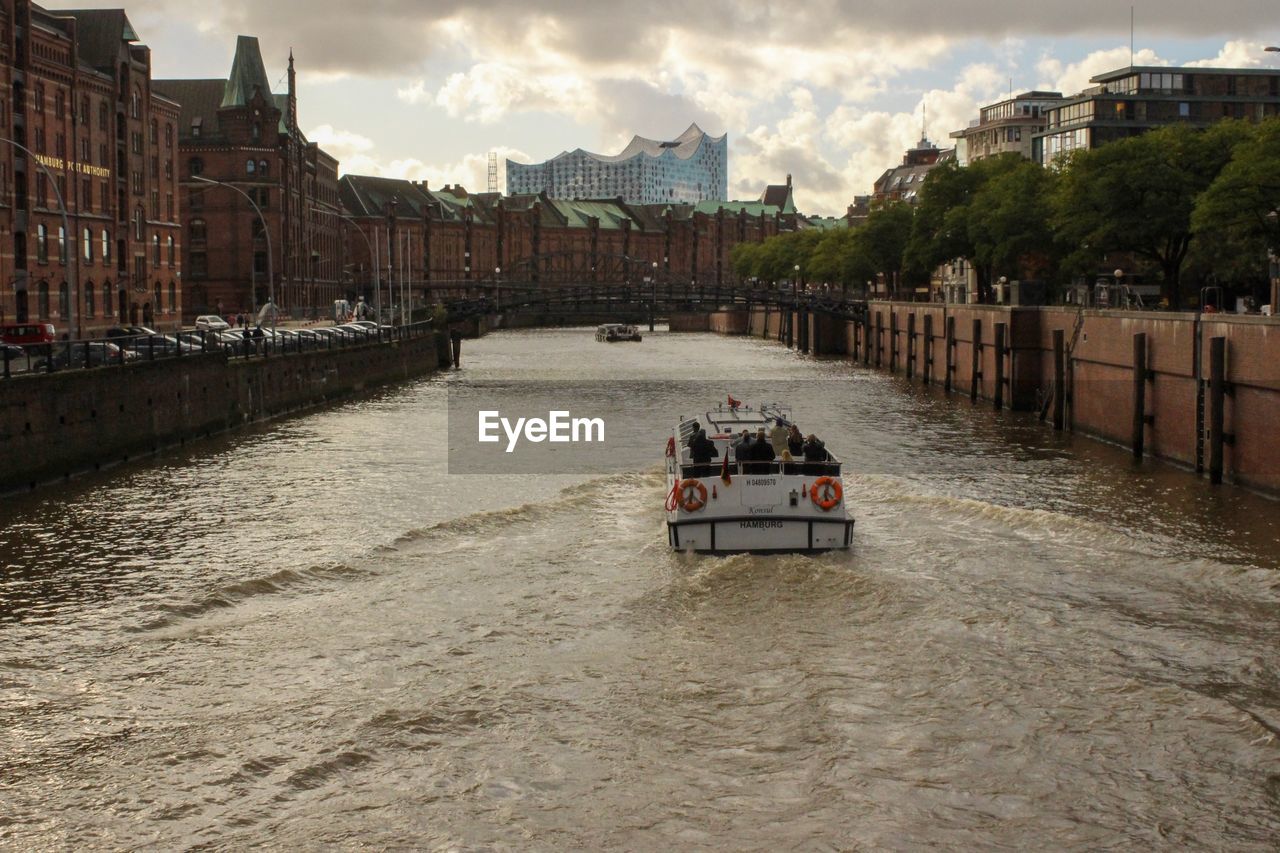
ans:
(692, 167)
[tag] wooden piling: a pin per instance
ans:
(950, 345)
(1059, 378)
(975, 384)
(866, 339)
(911, 345)
(1001, 329)
(893, 341)
(928, 349)
(879, 339)
(1217, 401)
(1139, 393)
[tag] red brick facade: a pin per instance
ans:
(77, 94)
(234, 131)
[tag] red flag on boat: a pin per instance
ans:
(724, 467)
(733, 404)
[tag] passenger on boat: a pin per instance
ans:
(761, 449)
(702, 449)
(778, 436)
(795, 441)
(742, 447)
(693, 435)
(815, 450)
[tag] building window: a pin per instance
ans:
(173, 255)
(173, 295)
(155, 132)
(262, 168)
(42, 300)
(138, 233)
(62, 244)
(257, 132)
(155, 250)
(155, 297)
(135, 103)
(199, 265)
(168, 206)
(64, 300)
(106, 299)
(84, 110)
(168, 135)
(60, 104)
(196, 200)
(196, 166)
(198, 230)
(89, 308)
(260, 263)
(104, 120)
(42, 243)
(88, 245)
(39, 106)
(250, 167)
(197, 124)
(106, 246)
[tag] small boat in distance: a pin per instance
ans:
(614, 332)
(731, 506)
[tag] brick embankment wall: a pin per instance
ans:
(56, 426)
(955, 346)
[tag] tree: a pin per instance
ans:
(1136, 195)
(882, 241)
(1236, 217)
(1008, 222)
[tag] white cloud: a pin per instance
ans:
(1070, 79)
(1234, 54)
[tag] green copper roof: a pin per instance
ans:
(247, 74)
(733, 208)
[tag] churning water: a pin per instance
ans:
(313, 634)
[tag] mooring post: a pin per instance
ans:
(879, 339)
(1001, 329)
(1059, 378)
(804, 329)
(928, 349)
(893, 341)
(791, 324)
(1139, 393)
(1217, 400)
(866, 339)
(977, 361)
(950, 345)
(911, 345)
(455, 338)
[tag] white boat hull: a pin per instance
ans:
(753, 534)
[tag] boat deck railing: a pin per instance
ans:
(760, 469)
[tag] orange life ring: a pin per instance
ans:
(688, 502)
(831, 488)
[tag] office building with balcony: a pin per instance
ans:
(1006, 127)
(689, 169)
(1130, 101)
(98, 142)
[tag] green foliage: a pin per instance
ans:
(1238, 210)
(1137, 195)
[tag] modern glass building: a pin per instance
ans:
(691, 168)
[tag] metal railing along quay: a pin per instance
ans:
(116, 352)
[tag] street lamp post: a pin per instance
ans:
(653, 294)
(74, 325)
(497, 288)
(377, 281)
(266, 232)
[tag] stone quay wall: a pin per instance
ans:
(1113, 362)
(53, 427)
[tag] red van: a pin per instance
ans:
(25, 334)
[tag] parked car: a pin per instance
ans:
(357, 332)
(74, 355)
(15, 356)
(212, 323)
(155, 346)
(23, 334)
(129, 331)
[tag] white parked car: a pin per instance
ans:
(212, 323)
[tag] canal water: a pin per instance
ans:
(313, 634)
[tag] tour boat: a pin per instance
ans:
(732, 506)
(614, 332)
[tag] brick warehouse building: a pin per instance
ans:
(77, 92)
(236, 131)
(449, 237)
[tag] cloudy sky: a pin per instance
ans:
(831, 91)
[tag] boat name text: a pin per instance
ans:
(759, 525)
(767, 481)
